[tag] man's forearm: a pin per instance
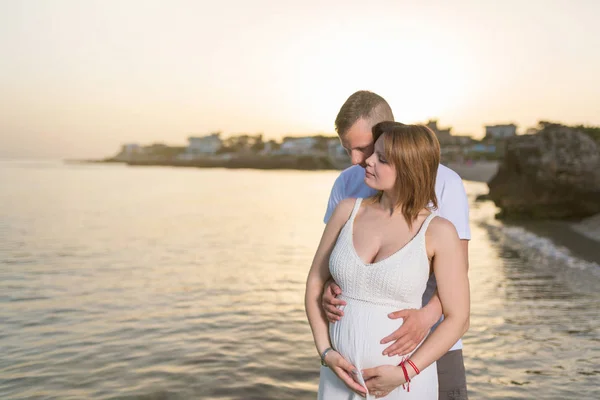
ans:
(433, 309)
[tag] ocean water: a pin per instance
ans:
(174, 283)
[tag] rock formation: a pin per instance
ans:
(553, 174)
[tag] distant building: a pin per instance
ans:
(271, 147)
(131, 149)
(483, 148)
(500, 131)
(297, 145)
(532, 131)
(129, 152)
(444, 136)
(461, 140)
(203, 145)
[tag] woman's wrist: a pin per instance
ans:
(324, 355)
(407, 370)
(413, 370)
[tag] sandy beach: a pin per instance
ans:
(479, 171)
(589, 227)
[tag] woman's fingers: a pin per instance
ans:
(351, 383)
(345, 376)
(346, 372)
(369, 373)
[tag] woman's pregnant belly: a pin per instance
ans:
(357, 335)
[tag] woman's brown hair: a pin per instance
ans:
(414, 151)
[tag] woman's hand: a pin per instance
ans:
(383, 379)
(345, 371)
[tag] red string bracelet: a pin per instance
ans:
(406, 377)
(412, 364)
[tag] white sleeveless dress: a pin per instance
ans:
(371, 292)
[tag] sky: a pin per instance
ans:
(80, 78)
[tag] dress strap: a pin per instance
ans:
(426, 223)
(355, 209)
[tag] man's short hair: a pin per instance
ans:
(362, 104)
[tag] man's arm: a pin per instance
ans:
(337, 194)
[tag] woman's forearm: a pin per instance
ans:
(316, 316)
(440, 341)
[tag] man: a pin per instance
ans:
(353, 124)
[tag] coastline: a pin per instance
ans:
(297, 162)
(478, 171)
(564, 234)
(589, 228)
(581, 238)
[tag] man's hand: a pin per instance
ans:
(415, 327)
(330, 302)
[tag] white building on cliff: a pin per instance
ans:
(200, 146)
(500, 131)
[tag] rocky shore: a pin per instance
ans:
(552, 176)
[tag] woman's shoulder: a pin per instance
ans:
(442, 228)
(346, 205)
(343, 210)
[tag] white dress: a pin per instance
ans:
(371, 292)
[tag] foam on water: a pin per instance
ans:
(541, 248)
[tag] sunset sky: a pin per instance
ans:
(80, 78)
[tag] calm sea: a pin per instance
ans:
(173, 283)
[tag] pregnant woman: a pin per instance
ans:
(381, 251)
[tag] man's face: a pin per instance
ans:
(358, 142)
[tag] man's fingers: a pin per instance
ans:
(410, 346)
(398, 314)
(333, 310)
(395, 336)
(404, 346)
(336, 302)
(401, 343)
(336, 289)
(331, 317)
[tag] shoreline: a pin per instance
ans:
(563, 234)
(480, 171)
(303, 163)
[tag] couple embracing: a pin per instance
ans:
(387, 295)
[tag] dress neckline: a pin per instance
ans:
(353, 217)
